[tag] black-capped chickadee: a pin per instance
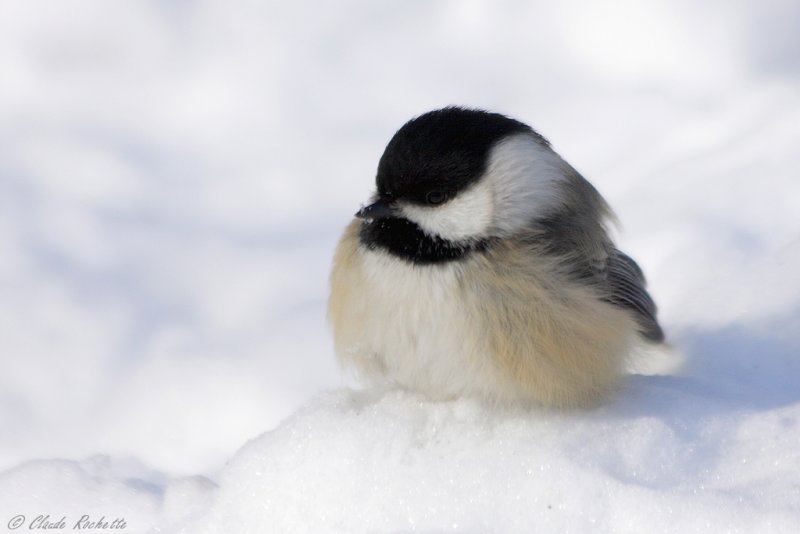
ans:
(483, 267)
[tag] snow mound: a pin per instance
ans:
(100, 493)
(665, 456)
(82, 495)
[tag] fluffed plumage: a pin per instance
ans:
(484, 268)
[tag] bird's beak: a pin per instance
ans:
(376, 210)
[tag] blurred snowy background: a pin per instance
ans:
(174, 176)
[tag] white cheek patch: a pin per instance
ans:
(523, 180)
(526, 180)
(467, 216)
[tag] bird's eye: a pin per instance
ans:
(435, 197)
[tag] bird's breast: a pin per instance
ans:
(405, 323)
(501, 326)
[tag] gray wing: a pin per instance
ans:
(589, 256)
(626, 282)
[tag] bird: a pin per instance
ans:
(483, 267)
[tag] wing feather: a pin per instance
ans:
(627, 287)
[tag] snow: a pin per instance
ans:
(354, 462)
(102, 488)
(173, 179)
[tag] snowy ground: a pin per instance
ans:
(173, 178)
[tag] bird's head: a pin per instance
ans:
(463, 175)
